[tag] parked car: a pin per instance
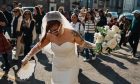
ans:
(114, 14)
(127, 15)
(29, 8)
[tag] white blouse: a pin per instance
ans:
(78, 27)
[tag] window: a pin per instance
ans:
(95, 1)
(138, 3)
(62, 1)
(51, 0)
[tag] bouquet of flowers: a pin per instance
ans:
(106, 39)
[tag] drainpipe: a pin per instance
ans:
(87, 4)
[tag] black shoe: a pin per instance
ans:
(136, 56)
(6, 68)
(86, 60)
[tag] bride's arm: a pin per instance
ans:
(37, 48)
(79, 40)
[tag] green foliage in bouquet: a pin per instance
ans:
(98, 48)
(102, 30)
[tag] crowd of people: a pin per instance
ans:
(67, 32)
(22, 26)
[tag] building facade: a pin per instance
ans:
(113, 5)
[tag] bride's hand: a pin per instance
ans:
(24, 62)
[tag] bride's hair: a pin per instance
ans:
(48, 26)
(51, 18)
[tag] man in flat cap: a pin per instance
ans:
(135, 33)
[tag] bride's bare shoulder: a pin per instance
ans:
(70, 31)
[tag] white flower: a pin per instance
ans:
(107, 27)
(116, 29)
(104, 47)
(109, 36)
(104, 44)
(98, 38)
(112, 43)
(117, 37)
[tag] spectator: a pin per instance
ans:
(90, 28)
(103, 20)
(38, 18)
(8, 15)
(135, 32)
(27, 27)
(16, 31)
(5, 45)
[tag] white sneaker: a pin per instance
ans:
(85, 60)
(93, 58)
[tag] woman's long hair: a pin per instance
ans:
(92, 17)
(31, 16)
(76, 16)
(48, 26)
(37, 10)
(18, 10)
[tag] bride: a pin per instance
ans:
(63, 39)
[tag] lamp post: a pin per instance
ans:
(88, 4)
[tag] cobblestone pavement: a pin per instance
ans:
(116, 68)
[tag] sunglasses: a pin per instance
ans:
(74, 17)
(27, 13)
(54, 30)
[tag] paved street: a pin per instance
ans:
(117, 68)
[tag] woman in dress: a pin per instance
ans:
(27, 28)
(5, 45)
(63, 39)
(16, 32)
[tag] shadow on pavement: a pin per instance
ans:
(108, 72)
(84, 80)
(111, 60)
(43, 59)
(4, 79)
(124, 56)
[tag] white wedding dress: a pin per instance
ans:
(65, 67)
